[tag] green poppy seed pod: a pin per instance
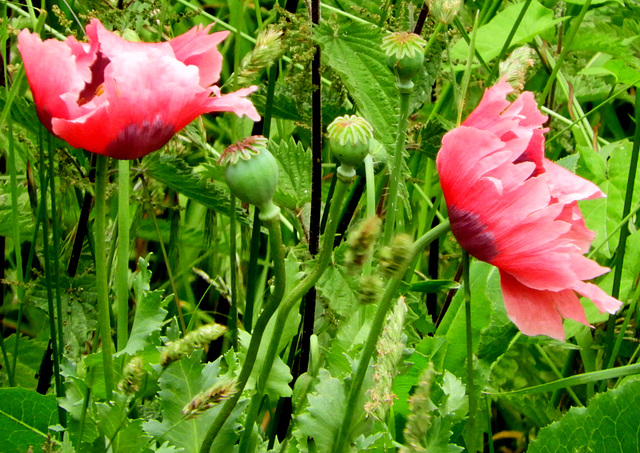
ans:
(349, 138)
(252, 174)
(405, 56)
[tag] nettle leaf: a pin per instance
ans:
(149, 315)
(353, 51)
(179, 176)
(338, 292)
(25, 417)
(29, 358)
(79, 299)
(294, 183)
(490, 37)
(609, 423)
(24, 212)
(179, 384)
(321, 421)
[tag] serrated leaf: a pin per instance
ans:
(179, 176)
(609, 423)
(79, 299)
(294, 184)
(24, 419)
(179, 384)
(339, 294)
(327, 405)
(150, 314)
(491, 36)
(353, 51)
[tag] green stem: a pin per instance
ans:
(11, 163)
(277, 251)
(466, 265)
(565, 49)
(122, 272)
(624, 233)
(396, 170)
(232, 324)
(324, 257)
(48, 279)
(376, 327)
(104, 320)
(507, 43)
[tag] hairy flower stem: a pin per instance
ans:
(104, 321)
(277, 252)
(396, 170)
(466, 263)
(122, 271)
(386, 301)
(289, 302)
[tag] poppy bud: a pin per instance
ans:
(252, 174)
(349, 138)
(405, 56)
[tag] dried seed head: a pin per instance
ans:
(395, 254)
(361, 242)
(514, 68)
(370, 289)
(132, 376)
(196, 339)
(267, 50)
(444, 11)
(220, 391)
(420, 409)
(390, 347)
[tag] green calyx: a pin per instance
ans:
(405, 57)
(252, 174)
(349, 138)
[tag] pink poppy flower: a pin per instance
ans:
(126, 99)
(515, 209)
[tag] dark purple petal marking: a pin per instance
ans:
(138, 140)
(472, 234)
(92, 89)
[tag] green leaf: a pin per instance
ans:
(24, 212)
(24, 419)
(337, 292)
(79, 299)
(179, 384)
(327, 405)
(609, 423)
(433, 286)
(294, 183)
(353, 51)
(29, 358)
(491, 37)
(150, 313)
(179, 176)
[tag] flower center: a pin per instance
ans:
(472, 234)
(96, 86)
(138, 140)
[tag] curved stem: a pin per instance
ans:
(104, 320)
(376, 327)
(466, 264)
(122, 271)
(290, 301)
(277, 251)
(396, 171)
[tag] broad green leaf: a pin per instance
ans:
(623, 73)
(608, 424)
(491, 36)
(179, 384)
(24, 212)
(294, 184)
(29, 359)
(353, 51)
(150, 314)
(433, 286)
(24, 419)
(322, 419)
(176, 174)
(78, 297)
(339, 295)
